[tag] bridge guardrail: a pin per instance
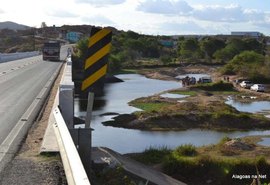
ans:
(5, 57)
(74, 170)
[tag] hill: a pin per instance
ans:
(12, 26)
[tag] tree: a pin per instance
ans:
(189, 49)
(210, 45)
(249, 64)
(115, 63)
(43, 25)
(166, 59)
(225, 54)
(254, 45)
(233, 47)
(82, 47)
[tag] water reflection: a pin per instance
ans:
(252, 107)
(265, 141)
(127, 140)
(170, 95)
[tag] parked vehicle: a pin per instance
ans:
(238, 81)
(257, 87)
(246, 84)
(205, 79)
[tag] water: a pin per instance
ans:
(197, 76)
(128, 140)
(265, 141)
(173, 96)
(251, 107)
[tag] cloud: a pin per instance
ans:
(188, 27)
(165, 7)
(231, 13)
(101, 2)
(62, 14)
(1, 11)
(263, 23)
(254, 15)
(98, 20)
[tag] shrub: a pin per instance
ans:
(186, 150)
(218, 86)
(153, 155)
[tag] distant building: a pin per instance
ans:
(167, 43)
(73, 36)
(247, 34)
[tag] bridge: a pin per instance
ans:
(25, 85)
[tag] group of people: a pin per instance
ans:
(188, 81)
(226, 78)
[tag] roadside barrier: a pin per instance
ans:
(74, 170)
(5, 57)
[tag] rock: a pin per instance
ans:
(238, 145)
(110, 114)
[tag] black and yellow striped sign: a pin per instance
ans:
(96, 64)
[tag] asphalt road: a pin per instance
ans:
(20, 83)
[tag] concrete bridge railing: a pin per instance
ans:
(5, 57)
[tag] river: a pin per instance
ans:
(128, 140)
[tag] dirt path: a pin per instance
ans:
(170, 74)
(29, 167)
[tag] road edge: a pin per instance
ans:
(12, 143)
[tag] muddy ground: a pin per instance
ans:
(205, 110)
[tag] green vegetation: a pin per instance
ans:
(113, 176)
(202, 111)
(198, 170)
(81, 49)
(251, 65)
(208, 164)
(190, 93)
(153, 155)
(149, 106)
(245, 56)
(218, 86)
(185, 150)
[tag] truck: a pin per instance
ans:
(51, 51)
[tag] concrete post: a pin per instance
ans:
(66, 104)
(82, 139)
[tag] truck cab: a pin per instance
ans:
(51, 51)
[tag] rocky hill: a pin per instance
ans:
(13, 26)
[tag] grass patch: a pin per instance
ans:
(113, 176)
(150, 106)
(153, 155)
(226, 92)
(198, 170)
(197, 165)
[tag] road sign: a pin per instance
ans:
(96, 64)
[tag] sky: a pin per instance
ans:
(155, 17)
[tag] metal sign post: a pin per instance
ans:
(89, 109)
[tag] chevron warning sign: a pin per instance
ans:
(96, 64)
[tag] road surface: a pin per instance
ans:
(20, 83)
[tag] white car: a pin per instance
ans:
(257, 87)
(246, 84)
